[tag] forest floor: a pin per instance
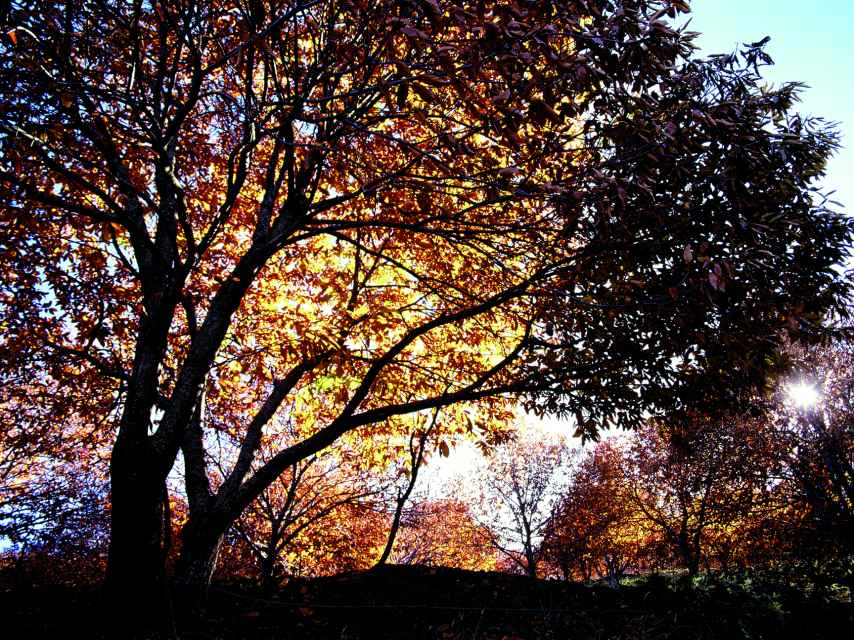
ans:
(449, 604)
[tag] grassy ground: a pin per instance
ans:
(449, 604)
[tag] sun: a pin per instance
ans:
(803, 394)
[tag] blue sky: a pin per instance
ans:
(811, 42)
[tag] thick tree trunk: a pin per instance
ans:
(268, 574)
(136, 584)
(691, 561)
(690, 554)
(200, 544)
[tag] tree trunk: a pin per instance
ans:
(612, 572)
(416, 454)
(690, 560)
(530, 561)
(392, 535)
(200, 544)
(136, 585)
(269, 582)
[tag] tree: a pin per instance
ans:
(822, 460)
(216, 214)
(518, 488)
(417, 448)
(311, 494)
(55, 525)
(698, 478)
(54, 507)
(594, 529)
(444, 533)
(814, 450)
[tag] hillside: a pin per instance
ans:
(417, 602)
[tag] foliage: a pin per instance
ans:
(275, 531)
(812, 531)
(595, 530)
(767, 489)
(695, 480)
(54, 509)
(444, 533)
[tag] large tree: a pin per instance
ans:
(219, 215)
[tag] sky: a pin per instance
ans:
(811, 42)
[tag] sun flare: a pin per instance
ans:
(803, 394)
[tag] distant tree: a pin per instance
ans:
(698, 478)
(516, 490)
(595, 530)
(814, 445)
(769, 487)
(444, 532)
(54, 500)
(311, 494)
(349, 541)
(54, 523)
(350, 211)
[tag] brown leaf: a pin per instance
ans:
(716, 281)
(509, 172)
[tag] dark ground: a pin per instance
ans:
(420, 603)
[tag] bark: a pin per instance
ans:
(613, 572)
(200, 545)
(268, 568)
(531, 559)
(692, 562)
(689, 558)
(136, 585)
(530, 564)
(392, 534)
